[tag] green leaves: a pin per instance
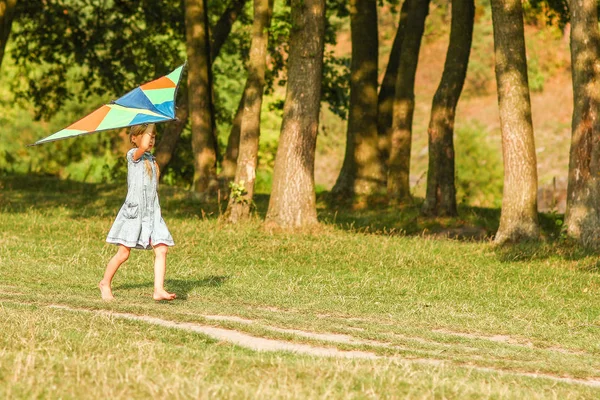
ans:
(117, 45)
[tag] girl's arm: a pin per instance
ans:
(144, 143)
(157, 171)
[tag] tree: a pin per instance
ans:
(293, 201)
(7, 15)
(518, 219)
(200, 97)
(229, 164)
(583, 192)
(387, 91)
(218, 35)
(404, 103)
(441, 192)
(362, 171)
(239, 206)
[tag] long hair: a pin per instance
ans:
(138, 130)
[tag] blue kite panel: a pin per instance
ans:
(166, 108)
(136, 99)
(146, 119)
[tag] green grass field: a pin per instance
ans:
(439, 318)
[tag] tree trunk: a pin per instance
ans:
(200, 97)
(293, 200)
(387, 91)
(245, 176)
(441, 192)
(583, 194)
(222, 29)
(362, 171)
(404, 103)
(7, 15)
(170, 137)
(229, 164)
(519, 219)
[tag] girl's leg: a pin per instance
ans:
(112, 267)
(160, 268)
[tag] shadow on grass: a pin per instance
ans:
(544, 249)
(180, 286)
(23, 193)
(373, 215)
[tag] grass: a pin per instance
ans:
(61, 354)
(374, 273)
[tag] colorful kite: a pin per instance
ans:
(151, 102)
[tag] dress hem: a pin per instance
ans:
(138, 245)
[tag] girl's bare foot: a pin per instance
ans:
(105, 291)
(163, 295)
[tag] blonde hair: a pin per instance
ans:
(135, 131)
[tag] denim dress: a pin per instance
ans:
(139, 223)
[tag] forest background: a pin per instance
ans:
(31, 111)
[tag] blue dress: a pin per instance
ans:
(139, 223)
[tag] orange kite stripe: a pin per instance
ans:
(91, 122)
(160, 83)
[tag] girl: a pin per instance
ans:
(139, 223)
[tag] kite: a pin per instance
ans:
(152, 102)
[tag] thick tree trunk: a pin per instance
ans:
(404, 103)
(519, 219)
(293, 200)
(229, 164)
(7, 15)
(441, 192)
(245, 176)
(166, 147)
(200, 97)
(362, 171)
(387, 91)
(583, 193)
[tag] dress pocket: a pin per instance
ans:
(130, 210)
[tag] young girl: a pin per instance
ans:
(139, 223)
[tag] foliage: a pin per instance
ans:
(479, 169)
(117, 44)
(546, 12)
(535, 75)
(238, 192)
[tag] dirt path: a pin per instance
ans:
(265, 344)
(232, 336)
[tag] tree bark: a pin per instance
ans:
(583, 194)
(229, 164)
(7, 15)
(166, 147)
(387, 91)
(441, 192)
(293, 201)
(362, 171)
(170, 136)
(200, 97)
(239, 206)
(404, 103)
(519, 219)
